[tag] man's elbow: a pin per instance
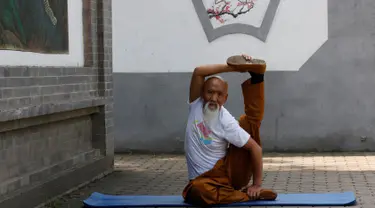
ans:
(197, 71)
(253, 146)
(256, 148)
(259, 148)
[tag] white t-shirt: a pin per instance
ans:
(205, 145)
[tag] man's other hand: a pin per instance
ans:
(254, 192)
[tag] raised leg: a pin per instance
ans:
(238, 159)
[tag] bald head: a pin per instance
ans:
(217, 80)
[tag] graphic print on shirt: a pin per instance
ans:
(204, 132)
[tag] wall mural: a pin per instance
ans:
(224, 17)
(223, 10)
(39, 26)
(285, 33)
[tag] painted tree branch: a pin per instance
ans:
(231, 8)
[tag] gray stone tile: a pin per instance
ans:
(166, 175)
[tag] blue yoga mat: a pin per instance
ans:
(97, 200)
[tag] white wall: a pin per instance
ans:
(76, 49)
(167, 36)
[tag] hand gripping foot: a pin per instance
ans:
(244, 62)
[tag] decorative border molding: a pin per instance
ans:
(212, 34)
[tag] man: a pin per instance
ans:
(220, 174)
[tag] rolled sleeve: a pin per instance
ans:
(234, 133)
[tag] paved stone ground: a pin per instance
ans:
(166, 174)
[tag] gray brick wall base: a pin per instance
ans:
(65, 181)
(40, 175)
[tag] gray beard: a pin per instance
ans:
(210, 116)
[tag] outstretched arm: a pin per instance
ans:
(199, 75)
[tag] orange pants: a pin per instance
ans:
(222, 184)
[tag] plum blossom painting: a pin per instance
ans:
(225, 12)
(224, 17)
(39, 26)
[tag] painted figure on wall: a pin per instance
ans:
(34, 26)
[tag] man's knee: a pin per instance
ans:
(250, 127)
(244, 123)
(202, 192)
